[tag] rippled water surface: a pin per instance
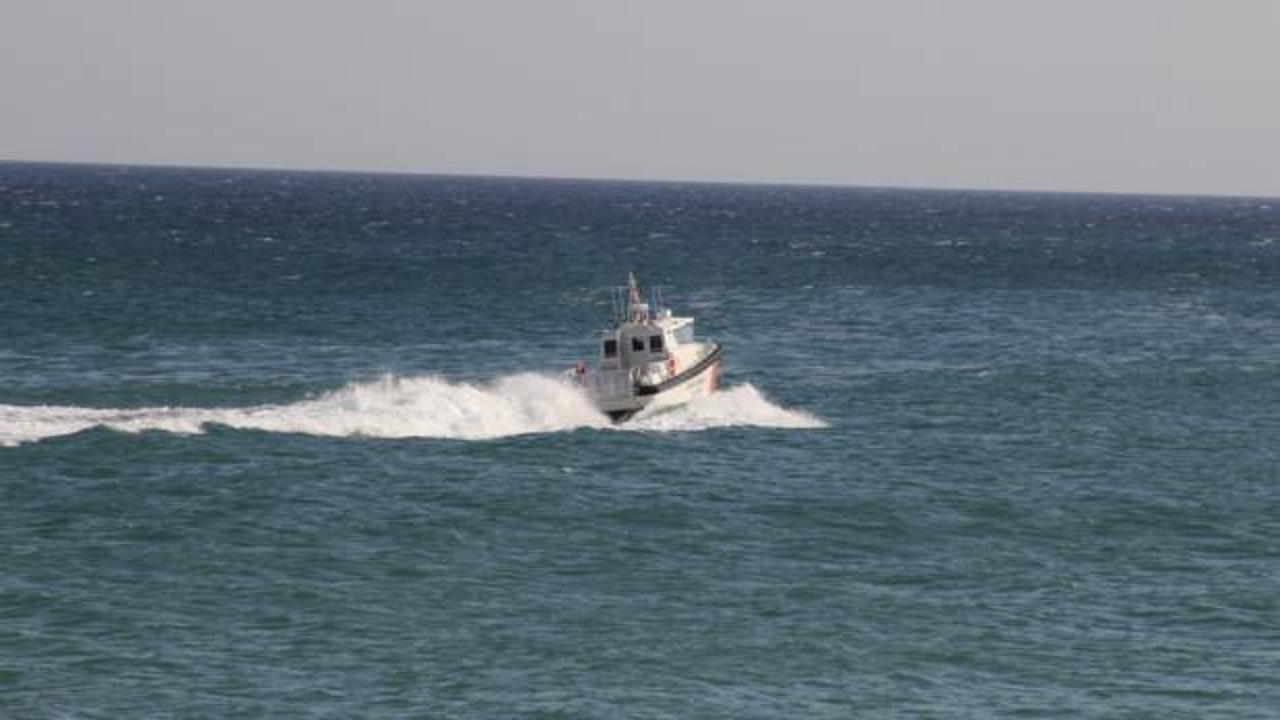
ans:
(295, 444)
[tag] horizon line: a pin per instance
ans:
(634, 180)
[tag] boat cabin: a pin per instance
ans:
(636, 344)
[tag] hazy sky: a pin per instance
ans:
(1110, 95)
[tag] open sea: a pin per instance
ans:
(283, 444)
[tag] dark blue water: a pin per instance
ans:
(283, 444)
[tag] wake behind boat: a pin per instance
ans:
(650, 359)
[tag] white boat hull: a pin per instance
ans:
(698, 381)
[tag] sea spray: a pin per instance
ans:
(426, 406)
(431, 406)
(740, 405)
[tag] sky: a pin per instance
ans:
(1148, 96)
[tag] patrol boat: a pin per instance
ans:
(650, 359)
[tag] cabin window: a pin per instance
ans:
(684, 334)
(637, 344)
(655, 343)
(610, 348)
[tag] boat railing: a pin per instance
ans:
(630, 299)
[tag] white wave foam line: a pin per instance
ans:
(740, 405)
(390, 408)
(428, 407)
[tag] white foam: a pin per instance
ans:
(741, 405)
(428, 407)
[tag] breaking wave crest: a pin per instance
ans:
(427, 407)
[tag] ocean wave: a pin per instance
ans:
(740, 405)
(425, 407)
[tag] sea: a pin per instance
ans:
(297, 444)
